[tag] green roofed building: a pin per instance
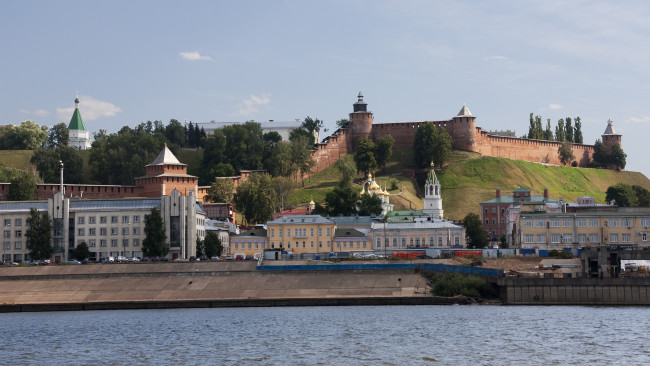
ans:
(79, 137)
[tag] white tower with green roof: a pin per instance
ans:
(79, 136)
(432, 198)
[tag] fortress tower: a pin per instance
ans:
(463, 130)
(610, 137)
(360, 121)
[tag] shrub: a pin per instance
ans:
(574, 164)
(453, 284)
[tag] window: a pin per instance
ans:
(555, 238)
(273, 233)
(91, 231)
(102, 231)
(136, 231)
(113, 231)
(494, 210)
(102, 220)
(593, 222)
(456, 240)
(612, 222)
(102, 243)
(486, 210)
(311, 232)
(328, 231)
(328, 244)
(7, 222)
(80, 220)
(626, 238)
(440, 241)
(403, 242)
(136, 218)
(92, 243)
(288, 233)
(613, 238)
(541, 238)
(503, 221)
(644, 237)
(113, 219)
(554, 223)
(494, 221)
(311, 244)
(18, 245)
(503, 211)
(582, 238)
(528, 223)
(411, 241)
(91, 219)
(625, 222)
(18, 233)
(567, 238)
(113, 242)
(18, 222)
(540, 223)
(417, 242)
(581, 222)
(125, 242)
(320, 231)
(487, 221)
(431, 241)
(566, 223)
(7, 245)
(529, 238)
(593, 238)
(378, 242)
(125, 231)
(125, 219)
(644, 222)
(295, 232)
(81, 232)
(7, 233)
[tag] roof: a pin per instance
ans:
(23, 206)
(299, 219)
(76, 122)
(511, 199)
(257, 233)
(348, 233)
(166, 157)
(404, 216)
(521, 189)
(431, 177)
(115, 204)
(610, 128)
(589, 214)
(352, 220)
(437, 224)
(464, 112)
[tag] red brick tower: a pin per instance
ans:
(463, 130)
(165, 174)
(610, 137)
(360, 121)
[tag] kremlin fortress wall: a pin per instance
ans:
(465, 135)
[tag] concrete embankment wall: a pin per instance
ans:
(575, 291)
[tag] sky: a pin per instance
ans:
(134, 61)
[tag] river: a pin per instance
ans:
(363, 335)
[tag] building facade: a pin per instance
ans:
(301, 234)
(434, 233)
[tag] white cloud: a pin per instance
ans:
(36, 112)
(195, 56)
(645, 119)
(496, 58)
(554, 107)
(91, 109)
(250, 105)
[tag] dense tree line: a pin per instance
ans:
(604, 157)
(626, 195)
(566, 129)
(370, 155)
(431, 144)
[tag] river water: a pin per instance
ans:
(363, 335)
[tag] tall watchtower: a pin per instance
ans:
(610, 137)
(360, 121)
(463, 130)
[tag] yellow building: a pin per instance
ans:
(557, 231)
(249, 242)
(301, 234)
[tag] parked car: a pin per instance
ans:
(45, 262)
(134, 259)
(240, 256)
(72, 261)
(229, 257)
(215, 258)
(110, 259)
(192, 258)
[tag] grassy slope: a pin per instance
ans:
(18, 159)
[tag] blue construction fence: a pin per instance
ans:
(544, 253)
(492, 272)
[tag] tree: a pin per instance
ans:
(256, 198)
(279, 160)
(364, 155)
(348, 170)
(642, 196)
(577, 131)
(27, 136)
(503, 242)
(559, 131)
(431, 144)
(283, 189)
(476, 235)
(23, 187)
(617, 156)
(568, 129)
(565, 152)
(531, 127)
(623, 194)
(39, 235)
(383, 150)
(175, 133)
(601, 155)
(312, 125)
(222, 170)
(210, 246)
(342, 123)
(58, 136)
(47, 162)
(154, 244)
(548, 133)
(539, 132)
(80, 252)
(301, 149)
(298, 133)
(221, 190)
(370, 205)
(341, 201)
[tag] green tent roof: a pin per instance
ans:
(76, 123)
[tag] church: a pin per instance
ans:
(79, 136)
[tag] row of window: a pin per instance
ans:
(17, 222)
(582, 222)
(114, 242)
(297, 245)
(494, 210)
(301, 232)
(414, 241)
(104, 219)
(17, 245)
(17, 234)
(103, 231)
(494, 221)
(580, 238)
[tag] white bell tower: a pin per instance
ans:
(432, 198)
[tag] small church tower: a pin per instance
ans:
(79, 137)
(360, 121)
(432, 199)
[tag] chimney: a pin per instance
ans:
(545, 192)
(498, 192)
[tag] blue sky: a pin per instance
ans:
(133, 61)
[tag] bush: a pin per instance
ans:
(560, 254)
(453, 284)
(574, 164)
